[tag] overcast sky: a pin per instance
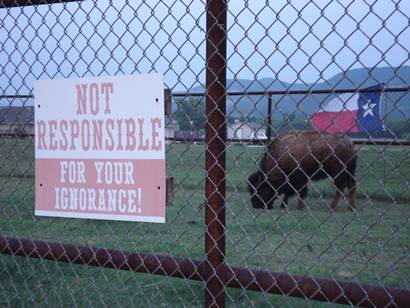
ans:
(299, 40)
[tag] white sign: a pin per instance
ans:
(100, 148)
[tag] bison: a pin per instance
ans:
(293, 158)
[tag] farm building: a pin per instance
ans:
(246, 130)
(171, 127)
(17, 120)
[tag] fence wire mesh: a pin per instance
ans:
(287, 64)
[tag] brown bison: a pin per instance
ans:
(293, 158)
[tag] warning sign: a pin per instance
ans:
(100, 149)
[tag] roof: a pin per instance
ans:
(188, 134)
(17, 115)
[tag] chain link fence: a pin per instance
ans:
(244, 76)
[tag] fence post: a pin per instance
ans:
(216, 12)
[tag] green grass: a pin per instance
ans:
(371, 246)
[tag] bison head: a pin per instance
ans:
(262, 192)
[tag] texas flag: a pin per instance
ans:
(350, 113)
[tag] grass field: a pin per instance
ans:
(370, 246)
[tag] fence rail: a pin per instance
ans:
(234, 277)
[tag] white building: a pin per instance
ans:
(246, 130)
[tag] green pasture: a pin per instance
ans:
(370, 246)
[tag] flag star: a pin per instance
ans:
(369, 109)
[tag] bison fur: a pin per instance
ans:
(294, 158)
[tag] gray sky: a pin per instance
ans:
(300, 40)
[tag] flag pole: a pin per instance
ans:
(385, 106)
(384, 123)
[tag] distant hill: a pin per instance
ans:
(395, 106)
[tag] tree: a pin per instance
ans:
(190, 114)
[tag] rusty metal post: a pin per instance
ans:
(216, 16)
(269, 119)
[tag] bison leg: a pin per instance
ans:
(336, 200)
(351, 185)
(302, 194)
(340, 183)
(262, 193)
(284, 204)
